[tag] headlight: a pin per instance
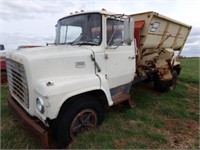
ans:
(40, 104)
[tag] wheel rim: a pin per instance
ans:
(84, 120)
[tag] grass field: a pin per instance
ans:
(159, 120)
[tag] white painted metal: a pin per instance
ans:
(120, 65)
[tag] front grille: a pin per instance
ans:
(17, 82)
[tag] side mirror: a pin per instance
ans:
(128, 30)
(2, 47)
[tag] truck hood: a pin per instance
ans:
(51, 62)
(48, 52)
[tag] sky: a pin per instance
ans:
(32, 22)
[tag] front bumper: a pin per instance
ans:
(36, 128)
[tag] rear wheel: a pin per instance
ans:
(173, 82)
(81, 116)
(164, 86)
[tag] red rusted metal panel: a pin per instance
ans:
(3, 70)
(137, 30)
(3, 63)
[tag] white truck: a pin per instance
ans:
(96, 58)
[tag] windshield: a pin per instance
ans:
(81, 29)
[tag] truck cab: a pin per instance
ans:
(91, 63)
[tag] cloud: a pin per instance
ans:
(194, 35)
(191, 49)
(23, 9)
(192, 45)
(32, 21)
(12, 41)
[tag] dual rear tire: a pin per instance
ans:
(164, 86)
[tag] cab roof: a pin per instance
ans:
(103, 12)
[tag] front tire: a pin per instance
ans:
(82, 115)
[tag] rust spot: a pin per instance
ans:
(125, 98)
(164, 73)
(49, 83)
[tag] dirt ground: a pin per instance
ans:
(180, 134)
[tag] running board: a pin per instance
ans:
(123, 98)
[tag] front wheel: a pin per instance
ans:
(81, 116)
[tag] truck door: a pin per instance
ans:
(120, 58)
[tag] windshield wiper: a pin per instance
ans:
(79, 43)
(65, 43)
(84, 43)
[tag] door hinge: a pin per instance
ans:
(95, 63)
(106, 56)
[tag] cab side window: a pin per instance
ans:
(114, 32)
